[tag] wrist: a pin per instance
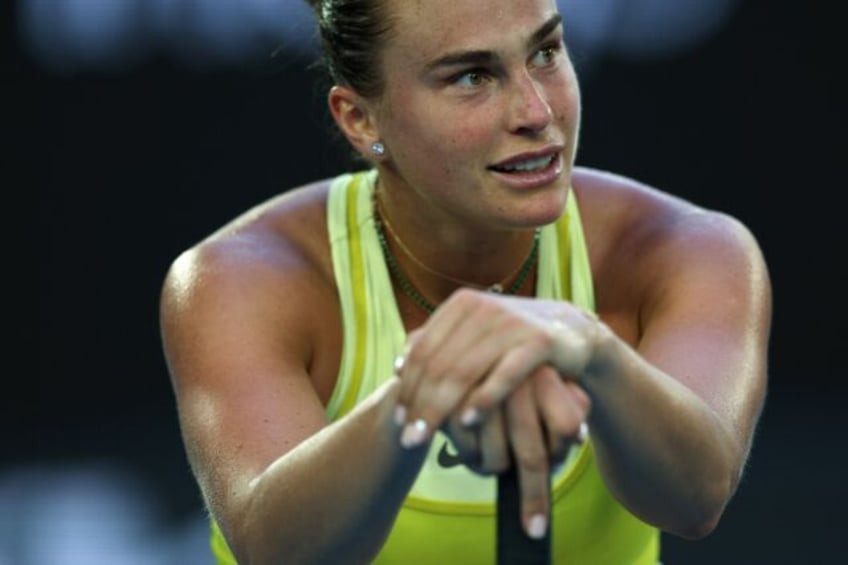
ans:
(605, 352)
(584, 346)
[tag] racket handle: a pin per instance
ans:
(514, 546)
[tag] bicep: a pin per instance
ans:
(708, 326)
(244, 395)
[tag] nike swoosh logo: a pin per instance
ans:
(446, 459)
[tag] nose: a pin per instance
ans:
(530, 111)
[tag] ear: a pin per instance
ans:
(355, 118)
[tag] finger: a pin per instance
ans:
(402, 369)
(409, 367)
(530, 456)
(466, 443)
(563, 407)
(436, 339)
(513, 367)
(443, 364)
(556, 410)
(494, 445)
(535, 346)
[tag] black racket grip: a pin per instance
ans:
(514, 546)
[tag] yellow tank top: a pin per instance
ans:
(449, 515)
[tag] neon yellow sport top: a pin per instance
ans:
(449, 515)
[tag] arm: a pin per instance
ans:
(673, 418)
(672, 412)
(281, 483)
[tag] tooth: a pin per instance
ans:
(530, 165)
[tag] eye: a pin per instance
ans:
(547, 55)
(470, 79)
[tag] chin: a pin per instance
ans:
(551, 204)
(540, 213)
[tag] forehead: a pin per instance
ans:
(426, 29)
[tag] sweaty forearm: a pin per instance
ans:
(663, 452)
(334, 497)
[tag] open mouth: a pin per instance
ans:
(526, 166)
(530, 170)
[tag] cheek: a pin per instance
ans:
(571, 93)
(565, 85)
(460, 138)
(471, 131)
(564, 93)
(566, 107)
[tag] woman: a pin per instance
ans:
(356, 359)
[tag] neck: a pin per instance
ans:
(427, 281)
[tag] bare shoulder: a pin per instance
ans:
(265, 272)
(276, 242)
(249, 333)
(619, 211)
(663, 245)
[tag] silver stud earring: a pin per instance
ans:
(378, 149)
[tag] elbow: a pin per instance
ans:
(696, 525)
(246, 532)
(698, 530)
(271, 541)
(705, 511)
(710, 498)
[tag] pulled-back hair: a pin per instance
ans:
(352, 33)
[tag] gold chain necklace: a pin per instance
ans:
(380, 220)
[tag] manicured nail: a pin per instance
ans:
(414, 433)
(400, 415)
(399, 360)
(537, 526)
(471, 417)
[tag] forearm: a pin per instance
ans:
(335, 496)
(663, 451)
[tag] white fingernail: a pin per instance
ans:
(537, 526)
(414, 433)
(400, 415)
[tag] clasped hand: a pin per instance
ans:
(499, 375)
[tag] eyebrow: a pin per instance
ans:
(484, 57)
(546, 29)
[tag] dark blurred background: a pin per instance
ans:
(139, 126)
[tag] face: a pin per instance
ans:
(480, 111)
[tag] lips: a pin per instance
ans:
(530, 170)
(525, 165)
(529, 161)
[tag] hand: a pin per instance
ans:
(477, 348)
(481, 370)
(543, 418)
(537, 426)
